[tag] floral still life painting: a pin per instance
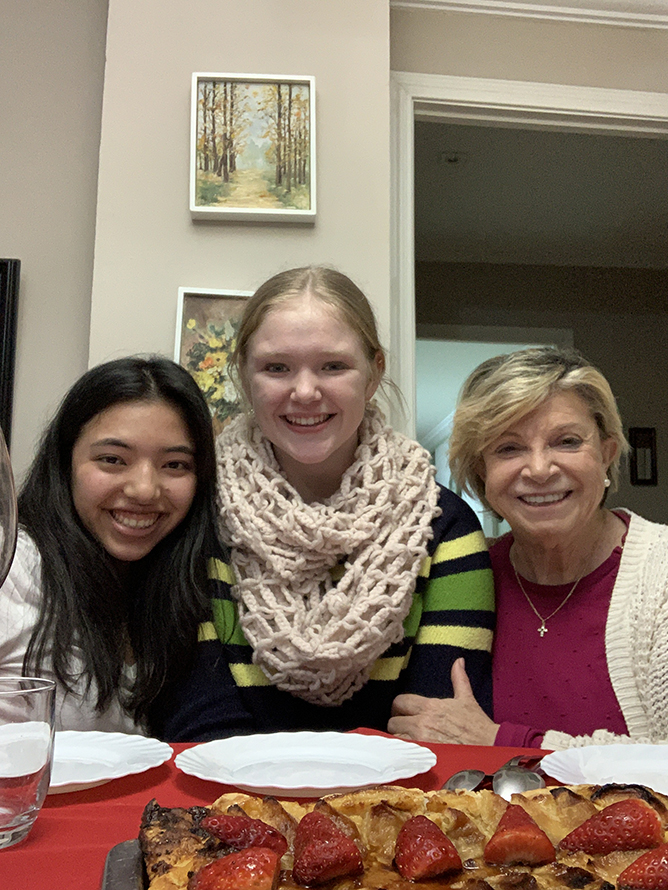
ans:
(252, 147)
(206, 330)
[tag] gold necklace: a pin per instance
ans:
(542, 630)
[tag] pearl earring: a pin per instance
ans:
(607, 483)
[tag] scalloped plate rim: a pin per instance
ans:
(571, 764)
(153, 753)
(406, 760)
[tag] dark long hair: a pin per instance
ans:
(85, 602)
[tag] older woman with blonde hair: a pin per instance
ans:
(580, 652)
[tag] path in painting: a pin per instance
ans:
(249, 189)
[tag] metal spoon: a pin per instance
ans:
(465, 780)
(471, 779)
(511, 780)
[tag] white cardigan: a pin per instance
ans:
(636, 641)
(19, 607)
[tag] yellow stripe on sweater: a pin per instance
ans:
(218, 570)
(383, 669)
(206, 631)
(248, 675)
(464, 546)
(449, 635)
(389, 668)
(467, 545)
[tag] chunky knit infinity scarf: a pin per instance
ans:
(311, 637)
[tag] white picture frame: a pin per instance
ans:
(252, 148)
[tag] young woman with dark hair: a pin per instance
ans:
(116, 523)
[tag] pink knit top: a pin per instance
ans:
(559, 681)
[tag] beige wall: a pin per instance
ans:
(629, 343)
(51, 75)
(51, 82)
(146, 244)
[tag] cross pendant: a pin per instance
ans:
(542, 630)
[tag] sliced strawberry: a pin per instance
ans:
(242, 831)
(423, 851)
(648, 872)
(323, 851)
(256, 868)
(626, 825)
(518, 839)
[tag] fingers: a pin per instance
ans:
(408, 713)
(460, 680)
(396, 727)
(407, 705)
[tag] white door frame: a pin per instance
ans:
(488, 102)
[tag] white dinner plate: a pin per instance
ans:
(85, 759)
(599, 764)
(306, 764)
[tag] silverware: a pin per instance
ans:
(124, 867)
(511, 780)
(514, 776)
(466, 780)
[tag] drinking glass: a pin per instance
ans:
(8, 512)
(27, 707)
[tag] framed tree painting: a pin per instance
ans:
(9, 299)
(206, 329)
(252, 148)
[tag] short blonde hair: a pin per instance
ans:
(328, 285)
(504, 389)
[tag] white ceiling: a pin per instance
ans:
(505, 195)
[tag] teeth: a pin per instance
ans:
(307, 421)
(542, 498)
(129, 522)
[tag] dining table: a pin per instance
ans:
(74, 832)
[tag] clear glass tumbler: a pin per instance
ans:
(27, 706)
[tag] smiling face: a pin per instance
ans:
(546, 474)
(308, 381)
(133, 476)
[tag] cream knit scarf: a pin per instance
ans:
(311, 638)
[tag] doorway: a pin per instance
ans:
(487, 103)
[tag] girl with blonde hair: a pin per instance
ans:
(353, 576)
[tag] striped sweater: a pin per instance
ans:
(452, 615)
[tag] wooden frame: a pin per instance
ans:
(206, 328)
(252, 148)
(10, 271)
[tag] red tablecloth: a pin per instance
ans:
(69, 842)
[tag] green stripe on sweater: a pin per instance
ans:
(457, 592)
(226, 620)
